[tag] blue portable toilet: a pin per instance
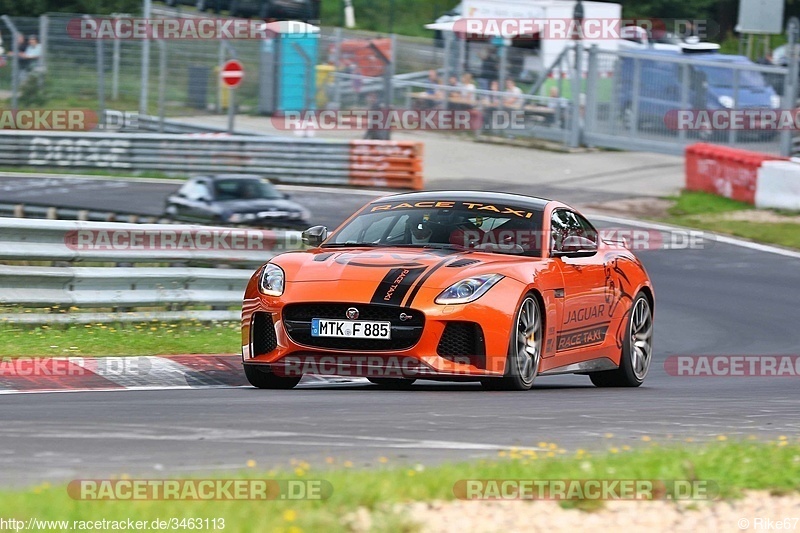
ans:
(287, 72)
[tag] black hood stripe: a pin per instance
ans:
(424, 278)
(395, 284)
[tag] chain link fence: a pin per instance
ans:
(609, 99)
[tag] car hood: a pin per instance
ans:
(439, 268)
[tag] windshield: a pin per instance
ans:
(245, 189)
(723, 77)
(453, 225)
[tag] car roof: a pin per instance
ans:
(700, 56)
(531, 202)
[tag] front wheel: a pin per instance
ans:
(637, 349)
(264, 379)
(524, 352)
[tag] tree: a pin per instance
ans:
(34, 8)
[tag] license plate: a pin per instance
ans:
(353, 329)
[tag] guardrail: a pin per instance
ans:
(18, 210)
(229, 255)
(284, 160)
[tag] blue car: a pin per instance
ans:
(709, 88)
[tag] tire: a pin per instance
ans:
(393, 383)
(637, 349)
(524, 350)
(263, 11)
(262, 379)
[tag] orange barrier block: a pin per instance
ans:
(724, 171)
(395, 164)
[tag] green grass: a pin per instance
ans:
(706, 211)
(148, 338)
(733, 466)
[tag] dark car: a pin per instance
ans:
(305, 10)
(235, 199)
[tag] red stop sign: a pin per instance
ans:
(232, 73)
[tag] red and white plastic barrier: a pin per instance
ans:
(758, 179)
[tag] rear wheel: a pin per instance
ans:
(524, 352)
(264, 379)
(637, 349)
(393, 383)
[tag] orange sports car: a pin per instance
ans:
(450, 285)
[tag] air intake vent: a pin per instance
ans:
(263, 334)
(462, 342)
(462, 263)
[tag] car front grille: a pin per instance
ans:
(404, 333)
(263, 334)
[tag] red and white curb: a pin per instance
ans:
(75, 374)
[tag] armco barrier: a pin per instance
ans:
(724, 171)
(779, 185)
(237, 251)
(284, 160)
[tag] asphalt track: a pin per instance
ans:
(724, 299)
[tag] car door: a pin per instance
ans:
(574, 246)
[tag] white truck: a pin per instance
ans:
(544, 32)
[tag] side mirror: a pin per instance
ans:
(287, 196)
(576, 246)
(204, 199)
(314, 236)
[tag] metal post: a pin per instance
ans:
(337, 87)
(684, 96)
(448, 45)
(44, 29)
(591, 89)
(732, 131)
(575, 123)
(462, 56)
(501, 76)
(790, 84)
(220, 61)
(162, 82)
(115, 56)
(231, 107)
(575, 126)
(637, 90)
(14, 61)
(145, 77)
(101, 80)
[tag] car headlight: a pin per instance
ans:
(241, 217)
(725, 101)
(775, 101)
(272, 280)
(468, 290)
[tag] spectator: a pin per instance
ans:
(492, 99)
(453, 82)
(32, 53)
(433, 79)
(766, 59)
(467, 87)
(21, 46)
(512, 89)
(489, 68)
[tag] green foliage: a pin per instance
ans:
(34, 8)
